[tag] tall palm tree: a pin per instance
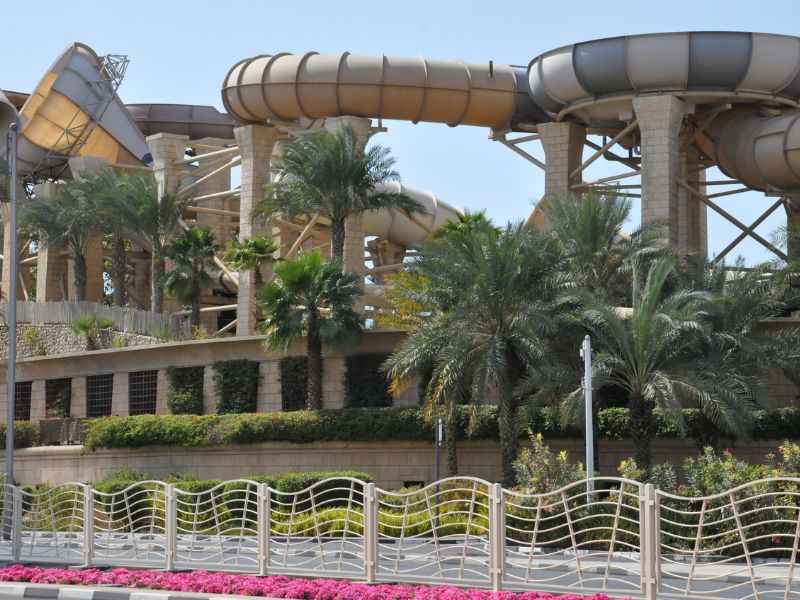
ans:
(650, 353)
(193, 252)
(313, 298)
(250, 253)
(156, 221)
(117, 214)
(69, 218)
(331, 174)
(496, 290)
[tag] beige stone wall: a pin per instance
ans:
(392, 464)
(122, 361)
(52, 339)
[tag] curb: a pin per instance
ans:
(42, 591)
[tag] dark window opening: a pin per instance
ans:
(99, 393)
(22, 400)
(57, 398)
(142, 392)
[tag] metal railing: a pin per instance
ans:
(621, 537)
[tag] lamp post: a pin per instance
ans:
(11, 153)
(586, 354)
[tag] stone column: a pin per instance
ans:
(354, 227)
(255, 144)
(95, 283)
(660, 119)
(119, 395)
(165, 149)
(563, 149)
(51, 262)
(221, 226)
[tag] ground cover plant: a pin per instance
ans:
(274, 586)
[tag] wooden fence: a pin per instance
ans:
(129, 320)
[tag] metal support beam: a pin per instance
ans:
(608, 155)
(585, 184)
(704, 199)
(749, 230)
(512, 145)
(612, 142)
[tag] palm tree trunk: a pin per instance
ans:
(159, 267)
(314, 351)
(337, 241)
(509, 419)
(79, 277)
(642, 431)
(118, 271)
(450, 440)
(194, 319)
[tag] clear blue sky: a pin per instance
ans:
(181, 51)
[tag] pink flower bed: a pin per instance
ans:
(274, 587)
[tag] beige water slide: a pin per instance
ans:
(594, 82)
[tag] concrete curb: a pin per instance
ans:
(42, 591)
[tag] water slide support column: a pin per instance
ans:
(692, 214)
(563, 150)
(94, 251)
(51, 262)
(256, 143)
(660, 119)
(166, 148)
(793, 227)
(354, 227)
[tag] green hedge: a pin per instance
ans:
(26, 433)
(236, 385)
(294, 382)
(365, 385)
(185, 396)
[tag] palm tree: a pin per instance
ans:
(650, 351)
(598, 253)
(250, 253)
(330, 174)
(89, 326)
(116, 214)
(312, 298)
(193, 252)
(157, 219)
(495, 289)
(70, 218)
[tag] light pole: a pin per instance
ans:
(586, 354)
(11, 257)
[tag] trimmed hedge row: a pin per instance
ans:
(375, 424)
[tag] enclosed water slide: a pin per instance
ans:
(593, 83)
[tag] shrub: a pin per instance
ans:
(26, 434)
(185, 396)
(539, 471)
(32, 342)
(365, 385)
(294, 382)
(236, 386)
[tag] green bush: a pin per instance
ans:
(236, 385)
(365, 385)
(185, 396)
(26, 434)
(294, 382)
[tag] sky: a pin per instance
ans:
(180, 52)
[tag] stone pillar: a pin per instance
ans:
(563, 149)
(165, 149)
(95, 284)
(77, 405)
(51, 263)
(255, 144)
(119, 395)
(37, 400)
(354, 227)
(660, 119)
(692, 214)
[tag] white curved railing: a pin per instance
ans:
(618, 536)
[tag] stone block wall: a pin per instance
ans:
(53, 339)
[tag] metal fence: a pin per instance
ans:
(621, 537)
(129, 320)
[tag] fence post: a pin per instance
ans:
(88, 526)
(16, 523)
(370, 532)
(497, 536)
(649, 540)
(262, 516)
(170, 527)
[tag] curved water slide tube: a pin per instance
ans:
(594, 83)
